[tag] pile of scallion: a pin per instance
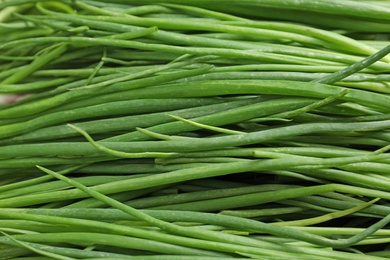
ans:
(198, 129)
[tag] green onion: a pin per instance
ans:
(195, 129)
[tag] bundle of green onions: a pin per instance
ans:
(195, 129)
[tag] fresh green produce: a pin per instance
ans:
(195, 129)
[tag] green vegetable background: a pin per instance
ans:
(173, 129)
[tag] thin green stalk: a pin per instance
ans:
(119, 153)
(314, 105)
(266, 212)
(122, 196)
(221, 52)
(354, 68)
(110, 109)
(100, 88)
(184, 175)
(194, 40)
(40, 61)
(34, 86)
(158, 236)
(219, 118)
(205, 235)
(55, 185)
(152, 202)
(36, 250)
(86, 238)
(184, 145)
(205, 12)
(333, 6)
(326, 217)
(208, 127)
(204, 26)
(126, 123)
(34, 181)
